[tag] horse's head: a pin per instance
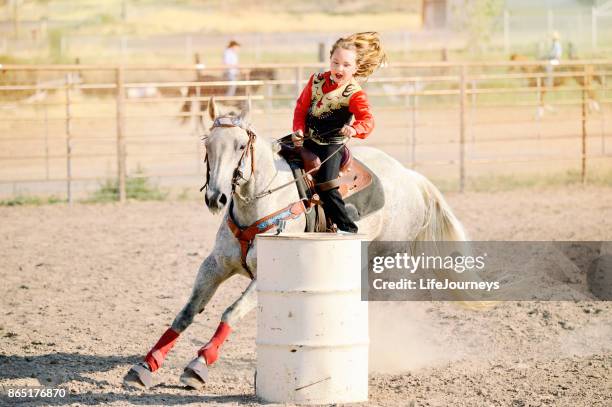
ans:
(262, 74)
(229, 155)
(517, 58)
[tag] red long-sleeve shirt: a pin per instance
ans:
(358, 106)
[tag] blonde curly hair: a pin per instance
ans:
(368, 50)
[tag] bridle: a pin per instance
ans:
(246, 235)
(249, 149)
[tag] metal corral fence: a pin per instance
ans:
(70, 128)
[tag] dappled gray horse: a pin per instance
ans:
(241, 168)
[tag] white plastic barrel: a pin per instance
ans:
(312, 327)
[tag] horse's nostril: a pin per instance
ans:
(223, 199)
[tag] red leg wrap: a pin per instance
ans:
(156, 356)
(210, 351)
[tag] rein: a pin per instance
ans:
(250, 149)
(301, 177)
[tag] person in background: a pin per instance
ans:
(230, 59)
(554, 57)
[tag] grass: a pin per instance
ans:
(22, 200)
(498, 183)
(138, 188)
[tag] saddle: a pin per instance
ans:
(359, 187)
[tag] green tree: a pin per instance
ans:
(478, 20)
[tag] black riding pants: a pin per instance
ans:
(332, 200)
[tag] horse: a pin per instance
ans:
(557, 81)
(251, 183)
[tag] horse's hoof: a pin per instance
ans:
(138, 377)
(195, 374)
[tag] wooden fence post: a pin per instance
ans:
(121, 157)
(585, 87)
(540, 106)
(413, 110)
(472, 115)
(506, 32)
(594, 29)
(196, 120)
(68, 79)
(46, 118)
(603, 119)
(462, 103)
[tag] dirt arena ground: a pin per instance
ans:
(87, 290)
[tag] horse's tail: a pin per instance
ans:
(440, 223)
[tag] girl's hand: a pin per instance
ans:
(298, 138)
(348, 131)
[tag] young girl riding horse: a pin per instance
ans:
(326, 107)
(324, 112)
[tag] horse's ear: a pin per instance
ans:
(213, 109)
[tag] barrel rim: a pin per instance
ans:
(312, 236)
